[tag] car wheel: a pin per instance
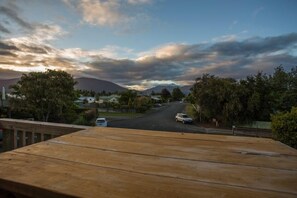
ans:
(176, 120)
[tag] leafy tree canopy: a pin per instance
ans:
(177, 94)
(284, 127)
(127, 98)
(45, 94)
(142, 103)
(254, 98)
(165, 94)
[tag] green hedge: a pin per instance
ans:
(284, 127)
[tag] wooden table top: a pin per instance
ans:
(113, 162)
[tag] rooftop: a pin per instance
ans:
(112, 162)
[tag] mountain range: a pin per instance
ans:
(98, 85)
(82, 83)
(102, 85)
(169, 87)
(8, 82)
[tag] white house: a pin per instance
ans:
(86, 98)
(156, 98)
(112, 99)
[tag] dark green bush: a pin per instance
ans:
(81, 120)
(284, 127)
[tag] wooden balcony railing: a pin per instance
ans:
(19, 133)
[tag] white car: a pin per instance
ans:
(184, 118)
(101, 122)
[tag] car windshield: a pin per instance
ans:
(100, 121)
(185, 116)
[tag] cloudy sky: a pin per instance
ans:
(143, 43)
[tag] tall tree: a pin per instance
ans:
(216, 98)
(280, 83)
(254, 98)
(292, 87)
(259, 100)
(165, 94)
(142, 103)
(45, 94)
(284, 89)
(177, 94)
(127, 98)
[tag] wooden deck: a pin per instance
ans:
(111, 162)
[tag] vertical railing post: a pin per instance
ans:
(23, 138)
(32, 138)
(41, 137)
(15, 139)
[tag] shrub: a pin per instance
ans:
(284, 127)
(90, 114)
(81, 121)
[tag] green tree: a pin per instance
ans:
(284, 127)
(127, 99)
(284, 89)
(142, 104)
(254, 98)
(45, 94)
(216, 98)
(177, 94)
(165, 94)
(258, 102)
(280, 84)
(292, 87)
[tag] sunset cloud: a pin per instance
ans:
(4, 29)
(109, 13)
(180, 62)
(102, 12)
(11, 12)
(32, 46)
(139, 1)
(142, 43)
(184, 62)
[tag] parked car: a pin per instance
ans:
(184, 118)
(101, 122)
(157, 105)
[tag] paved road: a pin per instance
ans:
(162, 119)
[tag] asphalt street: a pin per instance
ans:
(161, 119)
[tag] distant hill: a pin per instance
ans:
(158, 89)
(82, 83)
(169, 87)
(186, 89)
(97, 85)
(8, 82)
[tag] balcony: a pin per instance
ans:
(113, 162)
